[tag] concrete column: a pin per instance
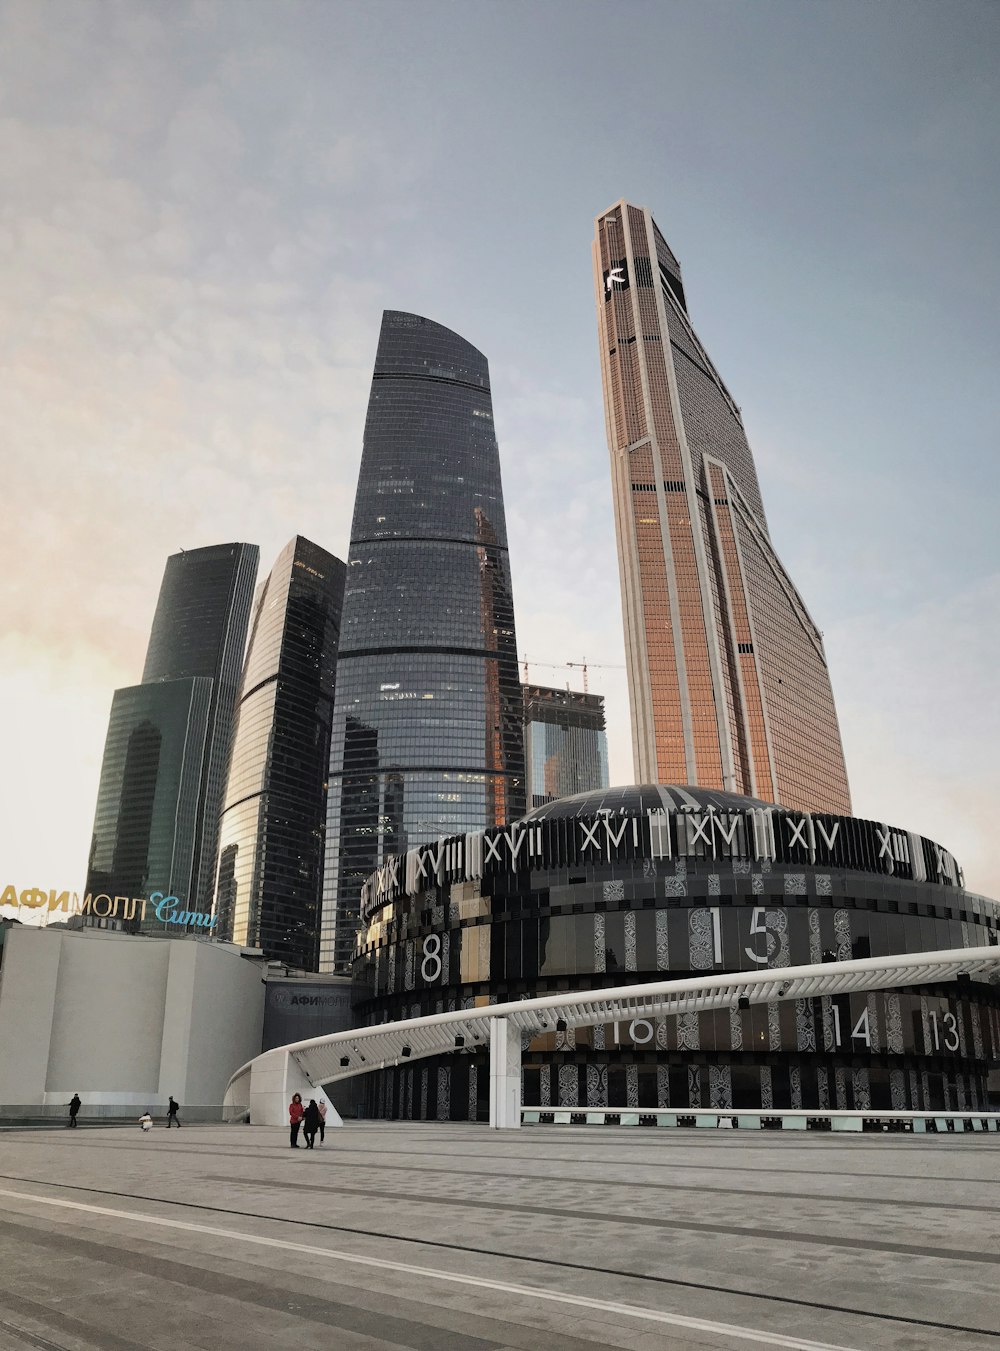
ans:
(505, 1075)
(274, 1077)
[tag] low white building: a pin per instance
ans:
(123, 1020)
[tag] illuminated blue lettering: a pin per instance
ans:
(165, 909)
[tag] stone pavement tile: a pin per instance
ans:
(525, 1207)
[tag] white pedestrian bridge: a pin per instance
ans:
(265, 1084)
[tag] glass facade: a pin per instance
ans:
(273, 826)
(728, 679)
(200, 629)
(645, 884)
(565, 744)
(427, 729)
(146, 822)
(196, 644)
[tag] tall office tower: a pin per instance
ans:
(728, 679)
(427, 730)
(156, 824)
(271, 834)
(565, 744)
(146, 823)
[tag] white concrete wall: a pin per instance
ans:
(123, 1019)
(108, 1015)
(28, 981)
(226, 1023)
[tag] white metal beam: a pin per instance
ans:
(342, 1055)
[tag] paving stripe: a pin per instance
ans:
(453, 1278)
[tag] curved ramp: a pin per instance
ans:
(263, 1086)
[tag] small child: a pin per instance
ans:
(146, 1121)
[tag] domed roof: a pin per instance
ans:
(636, 799)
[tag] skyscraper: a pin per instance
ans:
(156, 823)
(146, 823)
(427, 730)
(565, 744)
(200, 629)
(273, 825)
(728, 679)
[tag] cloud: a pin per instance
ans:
(185, 356)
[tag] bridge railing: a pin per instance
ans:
(915, 1123)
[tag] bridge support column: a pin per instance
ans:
(505, 1075)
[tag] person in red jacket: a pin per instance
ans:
(295, 1114)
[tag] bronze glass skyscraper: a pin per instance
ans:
(727, 675)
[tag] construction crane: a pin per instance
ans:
(584, 666)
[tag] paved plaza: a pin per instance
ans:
(449, 1237)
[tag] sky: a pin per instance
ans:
(206, 206)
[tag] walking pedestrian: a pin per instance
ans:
(172, 1109)
(322, 1120)
(74, 1108)
(295, 1114)
(310, 1123)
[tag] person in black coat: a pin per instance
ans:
(74, 1108)
(310, 1123)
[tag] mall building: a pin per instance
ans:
(127, 1020)
(641, 884)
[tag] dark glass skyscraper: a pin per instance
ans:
(274, 821)
(727, 674)
(565, 744)
(427, 731)
(156, 823)
(146, 823)
(200, 629)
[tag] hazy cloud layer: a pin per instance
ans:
(206, 207)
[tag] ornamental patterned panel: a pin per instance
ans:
(777, 927)
(662, 947)
(630, 940)
(687, 1031)
(662, 1086)
(842, 931)
(897, 1090)
(569, 1086)
(766, 1093)
(545, 1085)
(893, 1024)
(795, 1085)
(773, 1028)
(977, 1033)
(443, 1093)
(600, 946)
(840, 1083)
(823, 1088)
(874, 1040)
(805, 1027)
(701, 940)
(720, 1086)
